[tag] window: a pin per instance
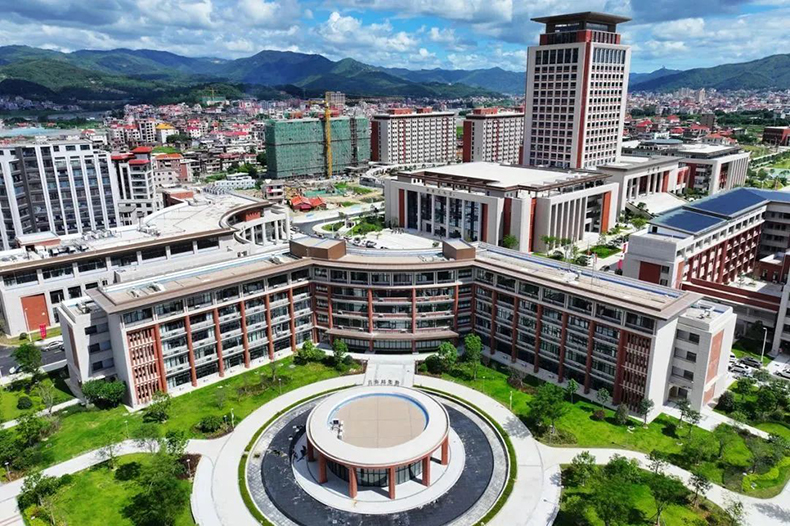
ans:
(124, 260)
(92, 264)
(210, 243)
(181, 248)
(74, 292)
(153, 253)
(165, 309)
(195, 302)
(57, 272)
(137, 316)
(99, 347)
(19, 278)
(102, 364)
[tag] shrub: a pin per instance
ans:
(103, 393)
(599, 414)
(463, 371)
(309, 353)
(24, 403)
(621, 416)
(434, 364)
(726, 402)
(159, 408)
(36, 487)
(210, 424)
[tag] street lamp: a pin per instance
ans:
(511, 400)
(280, 383)
(765, 339)
(189, 468)
(127, 428)
(232, 419)
(8, 471)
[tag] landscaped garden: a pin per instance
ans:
(43, 441)
(761, 401)
(620, 492)
(20, 397)
(729, 456)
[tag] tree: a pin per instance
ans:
(448, 355)
(510, 241)
(735, 513)
(644, 408)
(109, 453)
(161, 497)
(158, 409)
(473, 350)
(603, 397)
(693, 418)
(36, 487)
(582, 468)
(549, 405)
(30, 429)
(725, 435)
(763, 455)
(744, 387)
(621, 470)
(621, 415)
(339, 351)
(47, 393)
(766, 400)
(726, 402)
(28, 357)
(665, 490)
(571, 388)
(611, 503)
(639, 222)
(658, 461)
(700, 484)
(148, 436)
(261, 157)
(174, 444)
(684, 406)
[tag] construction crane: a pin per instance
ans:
(328, 132)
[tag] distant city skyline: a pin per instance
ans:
(455, 34)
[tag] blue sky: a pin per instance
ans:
(678, 34)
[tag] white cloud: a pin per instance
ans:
(260, 13)
(467, 10)
(348, 33)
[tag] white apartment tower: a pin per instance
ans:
(63, 187)
(403, 136)
(494, 136)
(137, 185)
(577, 82)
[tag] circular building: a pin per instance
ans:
(377, 436)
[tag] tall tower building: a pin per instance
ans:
(577, 82)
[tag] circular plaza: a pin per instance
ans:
(377, 455)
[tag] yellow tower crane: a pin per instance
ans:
(328, 133)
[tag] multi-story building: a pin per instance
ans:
(137, 185)
(148, 132)
(491, 135)
(487, 202)
(405, 136)
(647, 180)
(163, 131)
(297, 147)
(777, 135)
(47, 270)
(62, 187)
(577, 82)
(712, 168)
(171, 168)
(175, 331)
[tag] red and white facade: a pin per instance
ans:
(493, 136)
(136, 184)
(403, 136)
(577, 82)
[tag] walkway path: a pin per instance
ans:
(759, 512)
(710, 419)
(43, 412)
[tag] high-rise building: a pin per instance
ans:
(403, 136)
(297, 147)
(63, 187)
(137, 185)
(494, 136)
(577, 81)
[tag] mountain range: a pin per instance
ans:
(107, 78)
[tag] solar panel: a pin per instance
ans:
(687, 221)
(729, 204)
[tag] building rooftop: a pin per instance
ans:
(706, 149)
(506, 176)
(586, 16)
(638, 162)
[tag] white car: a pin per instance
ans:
(52, 346)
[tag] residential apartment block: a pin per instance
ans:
(488, 201)
(137, 184)
(491, 135)
(577, 83)
(175, 331)
(63, 187)
(406, 136)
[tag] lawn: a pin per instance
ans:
(367, 225)
(642, 512)
(750, 347)
(84, 429)
(33, 336)
(165, 149)
(10, 395)
(334, 227)
(96, 497)
(604, 251)
(578, 428)
(361, 190)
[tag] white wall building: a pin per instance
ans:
(494, 136)
(402, 136)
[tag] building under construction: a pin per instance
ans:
(298, 147)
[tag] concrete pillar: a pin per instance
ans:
(391, 480)
(426, 471)
(446, 451)
(321, 469)
(352, 482)
(310, 452)
(263, 232)
(277, 232)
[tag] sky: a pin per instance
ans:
(416, 34)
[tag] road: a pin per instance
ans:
(7, 361)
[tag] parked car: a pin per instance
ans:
(52, 346)
(740, 370)
(751, 362)
(784, 373)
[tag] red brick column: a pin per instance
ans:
(446, 451)
(269, 326)
(244, 340)
(321, 469)
(352, 482)
(391, 480)
(587, 377)
(426, 471)
(191, 351)
(538, 325)
(218, 337)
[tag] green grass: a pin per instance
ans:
(11, 394)
(334, 227)
(776, 428)
(643, 511)
(604, 251)
(346, 204)
(32, 336)
(166, 149)
(577, 428)
(83, 429)
(95, 497)
(362, 190)
(367, 225)
(748, 347)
